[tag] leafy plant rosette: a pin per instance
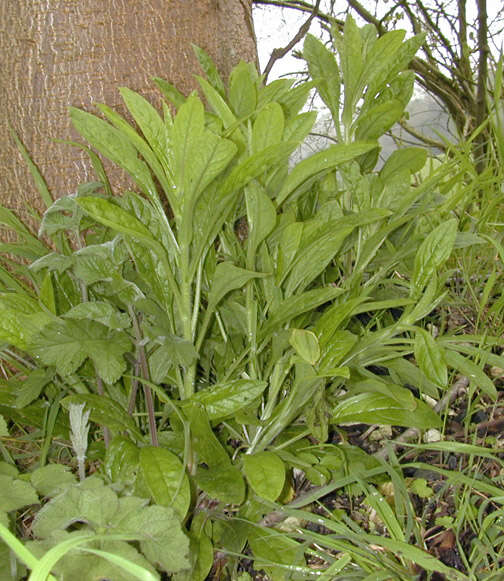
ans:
(222, 320)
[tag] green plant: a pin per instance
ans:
(252, 313)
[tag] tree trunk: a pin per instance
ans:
(57, 53)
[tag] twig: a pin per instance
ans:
(279, 53)
(412, 433)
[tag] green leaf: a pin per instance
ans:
(261, 215)
(33, 385)
(377, 120)
(216, 475)
(315, 166)
(52, 479)
(411, 159)
(433, 252)
(114, 145)
(324, 70)
(166, 479)
(430, 358)
(4, 432)
(274, 552)
(268, 127)
(115, 217)
(376, 408)
(207, 64)
(223, 400)
(243, 89)
(16, 493)
(228, 277)
(296, 305)
(105, 412)
(20, 318)
(474, 372)
(67, 343)
(101, 312)
(306, 345)
(122, 460)
(265, 473)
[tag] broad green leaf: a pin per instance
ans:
(401, 395)
(324, 70)
(376, 408)
(350, 49)
(411, 159)
(33, 385)
(430, 358)
(261, 215)
(115, 217)
(334, 316)
(474, 372)
(376, 121)
(122, 460)
(20, 318)
(101, 312)
(52, 479)
(296, 305)
(306, 345)
(274, 552)
(315, 166)
(114, 145)
(218, 104)
(67, 343)
(290, 241)
(223, 400)
(166, 479)
(4, 432)
(16, 493)
(216, 475)
(243, 89)
(268, 127)
(265, 472)
(433, 252)
(105, 412)
(335, 348)
(228, 277)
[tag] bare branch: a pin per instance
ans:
(278, 53)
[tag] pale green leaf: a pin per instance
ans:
(261, 215)
(228, 277)
(166, 479)
(474, 372)
(433, 252)
(265, 472)
(52, 479)
(306, 345)
(101, 312)
(268, 127)
(430, 358)
(16, 493)
(376, 408)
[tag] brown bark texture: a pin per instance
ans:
(57, 53)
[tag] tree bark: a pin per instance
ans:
(57, 53)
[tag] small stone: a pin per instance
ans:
(432, 435)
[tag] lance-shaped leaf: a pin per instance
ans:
(223, 400)
(374, 122)
(67, 343)
(228, 277)
(117, 218)
(324, 71)
(433, 252)
(216, 475)
(114, 145)
(377, 408)
(315, 166)
(471, 370)
(430, 358)
(261, 215)
(268, 127)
